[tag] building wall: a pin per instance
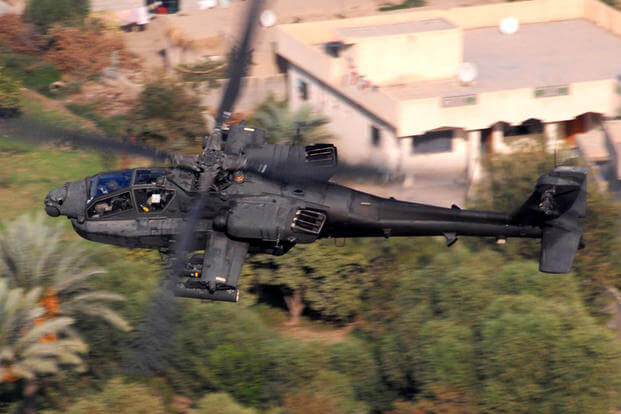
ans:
(112, 5)
(513, 106)
(351, 126)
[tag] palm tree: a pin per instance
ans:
(291, 127)
(26, 353)
(33, 255)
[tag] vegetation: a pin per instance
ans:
(9, 94)
(405, 4)
(167, 112)
(45, 13)
(31, 345)
(32, 71)
(282, 125)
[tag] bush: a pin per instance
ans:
(32, 71)
(167, 111)
(45, 13)
(221, 403)
(406, 4)
(9, 94)
(84, 52)
(121, 397)
(546, 357)
(20, 36)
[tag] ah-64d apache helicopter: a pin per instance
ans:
(241, 196)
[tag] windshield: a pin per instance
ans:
(110, 182)
(149, 176)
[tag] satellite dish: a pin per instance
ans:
(509, 25)
(467, 73)
(268, 18)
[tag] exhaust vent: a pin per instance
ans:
(321, 154)
(308, 221)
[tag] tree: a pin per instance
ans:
(119, 396)
(546, 357)
(329, 281)
(329, 392)
(166, 111)
(44, 13)
(510, 179)
(9, 94)
(284, 126)
(32, 346)
(221, 403)
(32, 255)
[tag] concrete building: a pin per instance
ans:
(389, 82)
(173, 5)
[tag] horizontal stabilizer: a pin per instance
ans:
(555, 206)
(558, 248)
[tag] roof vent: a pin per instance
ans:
(467, 73)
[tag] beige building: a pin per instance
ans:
(390, 82)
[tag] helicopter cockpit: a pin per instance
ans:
(129, 191)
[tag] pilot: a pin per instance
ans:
(154, 200)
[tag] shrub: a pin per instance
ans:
(167, 111)
(45, 13)
(22, 37)
(221, 403)
(9, 94)
(32, 71)
(84, 52)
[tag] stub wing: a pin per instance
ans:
(222, 264)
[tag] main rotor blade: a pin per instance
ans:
(186, 240)
(35, 130)
(239, 64)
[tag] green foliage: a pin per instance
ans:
(33, 256)
(45, 13)
(224, 348)
(26, 351)
(331, 280)
(328, 392)
(221, 403)
(447, 356)
(167, 111)
(508, 182)
(33, 72)
(9, 93)
(354, 359)
(406, 4)
(112, 126)
(284, 126)
(546, 357)
(119, 396)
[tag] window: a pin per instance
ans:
(302, 88)
(151, 176)
(151, 200)
(110, 182)
(433, 142)
(375, 136)
(109, 206)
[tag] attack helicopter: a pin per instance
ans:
(242, 196)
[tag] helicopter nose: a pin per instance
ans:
(68, 200)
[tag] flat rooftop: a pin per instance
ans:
(394, 29)
(539, 54)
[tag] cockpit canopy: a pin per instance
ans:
(140, 190)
